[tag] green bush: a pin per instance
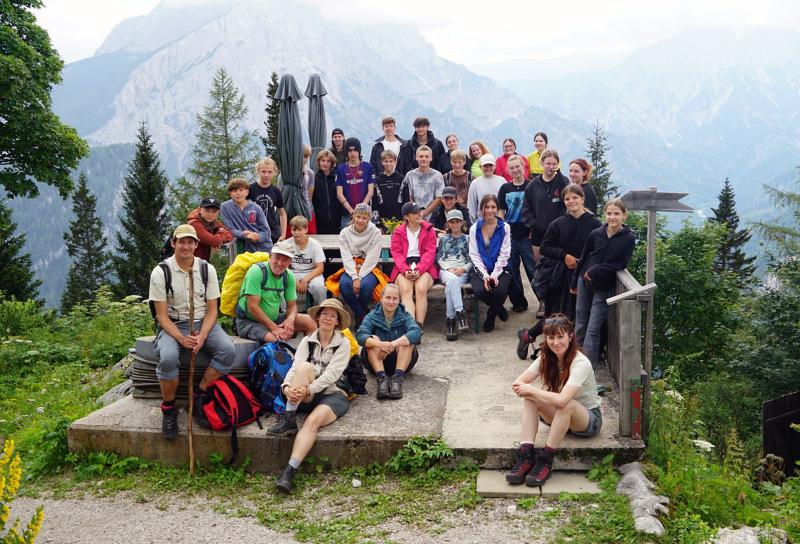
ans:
(419, 455)
(17, 318)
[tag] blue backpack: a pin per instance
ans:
(269, 366)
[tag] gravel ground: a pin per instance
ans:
(121, 520)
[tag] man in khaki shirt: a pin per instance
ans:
(172, 313)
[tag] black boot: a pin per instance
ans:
(383, 387)
(451, 333)
(461, 320)
(488, 325)
(169, 421)
(396, 387)
(542, 470)
(285, 480)
(286, 424)
(526, 457)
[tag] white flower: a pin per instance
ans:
(703, 445)
(356, 482)
(674, 394)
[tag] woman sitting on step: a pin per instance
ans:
(560, 389)
(311, 385)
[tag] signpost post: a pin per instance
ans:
(651, 201)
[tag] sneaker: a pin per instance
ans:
(169, 422)
(461, 320)
(286, 424)
(502, 313)
(526, 457)
(522, 345)
(519, 309)
(396, 387)
(285, 480)
(451, 333)
(488, 325)
(383, 388)
(541, 471)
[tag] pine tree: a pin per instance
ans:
(597, 149)
(784, 234)
(730, 253)
(17, 276)
(86, 245)
(273, 111)
(144, 223)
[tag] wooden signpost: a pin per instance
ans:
(651, 201)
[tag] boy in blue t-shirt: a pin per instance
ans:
(354, 180)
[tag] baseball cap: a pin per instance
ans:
(409, 207)
(487, 158)
(182, 231)
(209, 202)
(449, 191)
(455, 214)
(283, 248)
(337, 131)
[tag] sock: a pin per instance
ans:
(167, 404)
(550, 452)
(380, 374)
(399, 373)
(292, 406)
(525, 445)
(294, 462)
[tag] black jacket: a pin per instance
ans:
(407, 160)
(375, 154)
(439, 219)
(543, 205)
(327, 207)
(589, 198)
(602, 257)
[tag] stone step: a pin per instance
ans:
(492, 483)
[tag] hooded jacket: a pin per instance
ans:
(403, 324)
(250, 218)
(602, 257)
(212, 235)
(329, 362)
(327, 208)
(364, 245)
(427, 250)
(375, 154)
(543, 205)
(407, 160)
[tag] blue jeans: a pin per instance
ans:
(359, 304)
(452, 291)
(521, 250)
(218, 346)
(591, 312)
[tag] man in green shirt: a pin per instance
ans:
(265, 287)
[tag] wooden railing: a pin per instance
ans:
(625, 350)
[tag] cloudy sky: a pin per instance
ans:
(472, 32)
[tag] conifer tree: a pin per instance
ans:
(273, 111)
(730, 253)
(144, 222)
(16, 273)
(597, 149)
(86, 245)
(785, 234)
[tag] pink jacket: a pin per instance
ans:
(427, 250)
(501, 168)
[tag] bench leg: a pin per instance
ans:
(476, 315)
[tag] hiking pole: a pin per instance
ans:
(191, 373)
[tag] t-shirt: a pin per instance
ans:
(581, 375)
(306, 259)
(354, 181)
(388, 201)
(511, 198)
(423, 188)
(413, 242)
(178, 301)
(461, 183)
(270, 200)
(394, 146)
(273, 293)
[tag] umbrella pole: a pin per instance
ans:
(191, 374)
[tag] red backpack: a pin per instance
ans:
(228, 404)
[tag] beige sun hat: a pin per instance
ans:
(344, 317)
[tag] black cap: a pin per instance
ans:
(337, 131)
(409, 207)
(352, 143)
(210, 202)
(449, 191)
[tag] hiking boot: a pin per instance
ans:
(285, 480)
(451, 333)
(286, 424)
(396, 387)
(541, 471)
(383, 387)
(519, 308)
(461, 321)
(526, 457)
(169, 421)
(502, 313)
(522, 345)
(488, 325)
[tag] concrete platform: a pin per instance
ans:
(460, 391)
(492, 483)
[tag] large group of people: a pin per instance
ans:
(458, 217)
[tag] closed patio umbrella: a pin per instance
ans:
(317, 130)
(290, 146)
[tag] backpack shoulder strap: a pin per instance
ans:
(167, 278)
(204, 277)
(265, 276)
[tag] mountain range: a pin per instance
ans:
(676, 118)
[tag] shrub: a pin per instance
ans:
(419, 455)
(19, 317)
(10, 476)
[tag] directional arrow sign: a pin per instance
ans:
(655, 201)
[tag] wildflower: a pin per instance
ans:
(703, 445)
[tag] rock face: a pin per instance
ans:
(645, 505)
(750, 535)
(117, 392)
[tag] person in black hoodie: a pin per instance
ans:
(607, 251)
(543, 202)
(407, 159)
(327, 208)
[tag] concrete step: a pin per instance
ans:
(492, 483)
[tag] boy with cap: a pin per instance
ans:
(337, 146)
(486, 184)
(452, 256)
(210, 231)
(354, 180)
(265, 287)
(424, 184)
(449, 202)
(172, 305)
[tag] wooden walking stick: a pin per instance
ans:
(191, 373)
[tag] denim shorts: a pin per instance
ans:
(595, 424)
(336, 402)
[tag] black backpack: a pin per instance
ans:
(168, 284)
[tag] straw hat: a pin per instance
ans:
(344, 317)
